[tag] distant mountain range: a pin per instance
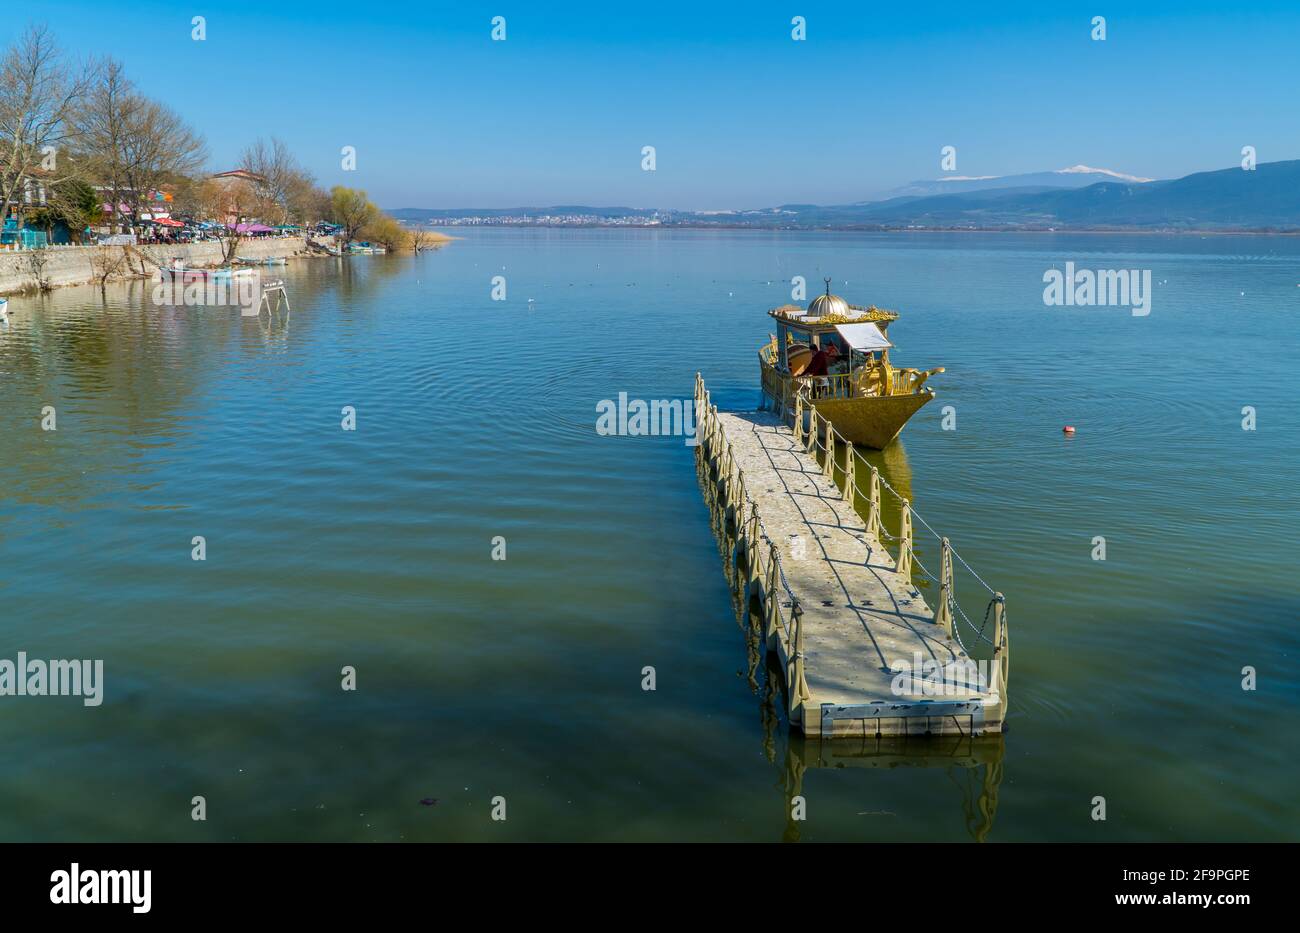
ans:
(1077, 176)
(1080, 198)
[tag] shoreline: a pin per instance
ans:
(1119, 231)
(31, 272)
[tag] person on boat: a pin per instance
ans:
(822, 360)
(820, 367)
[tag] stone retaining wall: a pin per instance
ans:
(22, 270)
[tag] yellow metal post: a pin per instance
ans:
(850, 471)
(773, 581)
(798, 688)
(1000, 652)
(904, 565)
(873, 506)
(943, 612)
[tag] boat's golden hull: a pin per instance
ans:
(873, 421)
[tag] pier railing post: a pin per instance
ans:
(798, 419)
(904, 566)
(828, 453)
(850, 471)
(943, 612)
(769, 598)
(798, 687)
(873, 507)
(1000, 652)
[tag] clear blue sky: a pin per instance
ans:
(741, 115)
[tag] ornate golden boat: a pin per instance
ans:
(838, 354)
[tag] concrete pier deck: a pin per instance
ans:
(861, 623)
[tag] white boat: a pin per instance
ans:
(179, 272)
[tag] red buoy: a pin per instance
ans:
(1068, 429)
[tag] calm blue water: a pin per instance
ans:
(522, 678)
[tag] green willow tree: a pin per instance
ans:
(352, 210)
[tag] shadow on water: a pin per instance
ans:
(973, 763)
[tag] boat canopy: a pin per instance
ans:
(865, 337)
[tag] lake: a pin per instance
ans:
(475, 431)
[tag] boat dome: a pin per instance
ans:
(828, 304)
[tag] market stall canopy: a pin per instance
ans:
(253, 228)
(168, 222)
(865, 338)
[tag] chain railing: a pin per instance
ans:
(762, 556)
(813, 431)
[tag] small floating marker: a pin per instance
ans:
(1068, 429)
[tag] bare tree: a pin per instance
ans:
(103, 126)
(151, 257)
(308, 202)
(39, 91)
(36, 262)
(285, 183)
(105, 262)
(133, 143)
(159, 145)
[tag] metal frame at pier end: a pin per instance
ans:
(880, 709)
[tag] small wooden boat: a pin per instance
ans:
(837, 354)
(267, 261)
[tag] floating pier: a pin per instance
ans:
(862, 652)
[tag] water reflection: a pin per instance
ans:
(973, 764)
